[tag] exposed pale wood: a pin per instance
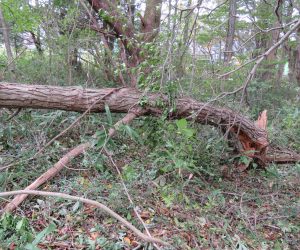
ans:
(50, 173)
(53, 171)
(262, 120)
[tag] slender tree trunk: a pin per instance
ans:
(131, 10)
(36, 37)
(293, 50)
(298, 67)
(151, 20)
(296, 57)
(5, 30)
(37, 42)
(269, 66)
(230, 31)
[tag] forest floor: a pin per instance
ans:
(229, 209)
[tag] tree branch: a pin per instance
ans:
(264, 55)
(50, 173)
(90, 202)
(116, 20)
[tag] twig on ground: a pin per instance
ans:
(63, 132)
(50, 173)
(13, 114)
(90, 202)
(128, 195)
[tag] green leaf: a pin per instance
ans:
(108, 114)
(188, 132)
(129, 173)
(101, 138)
(21, 224)
(40, 236)
(133, 135)
(181, 124)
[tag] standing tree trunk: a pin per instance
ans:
(130, 39)
(297, 59)
(151, 20)
(268, 68)
(294, 60)
(230, 31)
(10, 59)
(36, 38)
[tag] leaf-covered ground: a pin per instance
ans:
(218, 207)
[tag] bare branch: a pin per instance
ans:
(263, 56)
(259, 59)
(90, 202)
(127, 193)
(50, 173)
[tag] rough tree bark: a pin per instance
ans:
(124, 100)
(151, 20)
(230, 31)
(130, 38)
(265, 40)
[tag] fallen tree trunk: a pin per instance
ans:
(124, 100)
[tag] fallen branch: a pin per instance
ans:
(50, 173)
(61, 133)
(90, 202)
(128, 195)
(125, 99)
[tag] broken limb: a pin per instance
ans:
(53, 171)
(90, 202)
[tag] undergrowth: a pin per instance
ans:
(180, 176)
